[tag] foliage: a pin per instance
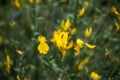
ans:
(59, 40)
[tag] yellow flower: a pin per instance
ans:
(17, 4)
(43, 46)
(86, 2)
(18, 77)
(38, 1)
(42, 39)
(8, 63)
(85, 61)
(77, 50)
(20, 52)
(88, 32)
(70, 45)
(114, 10)
(90, 46)
(95, 76)
(0, 39)
(66, 25)
(117, 27)
(31, 1)
(64, 39)
(79, 67)
(82, 12)
(72, 31)
(79, 43)
(60, 39)
(82, 64)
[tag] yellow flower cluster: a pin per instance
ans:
(79, 45)
(61, 39)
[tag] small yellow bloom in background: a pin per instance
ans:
(26, 78)
(31, 1)
(8, 63)
(81, 12)
(66, 25)
(82, 64)
(90, 46)
(86, 2)
(18, 77)
(114, 10)
(79, 67)
(117, 26)
(17, 4)
(20, 52)
(43, 46)
(88, 32)
(72, 31)
(0, 39)
(95, 76)
(38, 1)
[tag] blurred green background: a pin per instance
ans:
(20, 27)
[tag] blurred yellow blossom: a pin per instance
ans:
(70, 45)
(95, 76)
(88, 32)
(43, 46)
(77, 50)
(31, 1)
(114, 10)
(8, 63)
(0, 39)
(20, 52)
(17, 4)
(18, 77)
(117, 26)
(79, 44)
(60, 39)
(81, 12)
(72, 31)
(38, 1)
(82, 64)
(90, 46)
(86, 2)
(65, 25)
